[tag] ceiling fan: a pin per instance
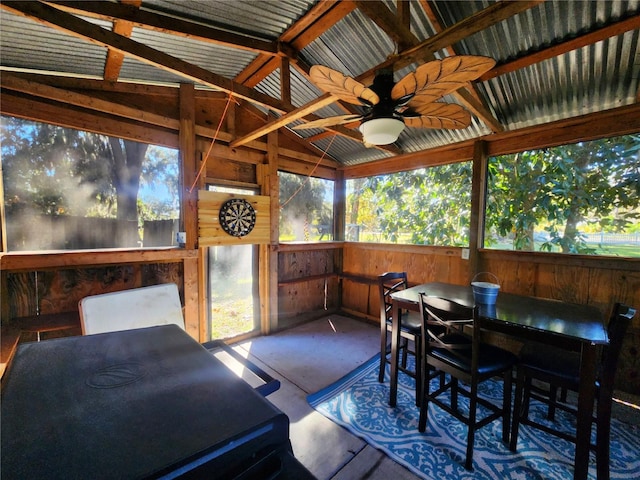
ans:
(412, 101)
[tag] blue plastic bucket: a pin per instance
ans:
(485, 293)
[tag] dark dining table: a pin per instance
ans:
(141, 403)
(573, 327)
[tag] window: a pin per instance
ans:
(68, 189)
(428, 206)
(582, 198)
(306, 208)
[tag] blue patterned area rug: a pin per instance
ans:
(359, 403)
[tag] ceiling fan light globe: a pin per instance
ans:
(381, 131)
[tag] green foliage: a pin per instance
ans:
(426, 206)
(53, 170)
(547, 199)
(306, 207)
(564, 189)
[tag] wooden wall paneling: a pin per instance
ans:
(607, 287)
(20, 295)
(563, 282)
(360, 299)
(230, 170)
(514, 277)
(300, 264)
(4, 297)
(308, 286)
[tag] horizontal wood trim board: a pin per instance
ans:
(305, 247)
(91, 258)
(418, 249)
(309, 278)
(542, 258)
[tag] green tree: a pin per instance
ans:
(302, 203)
(562, 188)
(51, 170)
(426, 206)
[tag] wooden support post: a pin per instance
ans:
(478, 202)
(269, 252)
(339, 222)
(189, 208)
(285, 80)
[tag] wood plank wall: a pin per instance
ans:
(308, 286)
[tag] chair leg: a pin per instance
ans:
(383, 354)
(603, 437)
(454, 393)
(471, 434)
(405, 350)
(553, 395)
(424, 404)
(420, 378)
(506, 406)
(517, 410)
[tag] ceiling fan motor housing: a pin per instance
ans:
(382, 85)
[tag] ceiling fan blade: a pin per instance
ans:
(343, 87)
(437, 78)
(438, 115)
(328, 122)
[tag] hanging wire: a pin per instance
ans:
(204, 163)
(310, 173)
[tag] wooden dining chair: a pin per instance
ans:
(389, 283)
(468, 362)
(560, 369)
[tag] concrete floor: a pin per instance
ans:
(311, 356)
(306, 359)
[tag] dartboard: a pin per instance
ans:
(237, 217)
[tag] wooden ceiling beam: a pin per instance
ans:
(469, 96)
(320, 18)
(258, 70)
(15, 83)
(85, 30)
(166, 24)
(481, 20)
(603, 33)
(393, 26)
(474, 24)
(314, 23)
(390, 24)
(114, 61)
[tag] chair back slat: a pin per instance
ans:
(440, 317)
(388, 284)
(617, 329)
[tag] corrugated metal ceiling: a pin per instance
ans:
(592, 78)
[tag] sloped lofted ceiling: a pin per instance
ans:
(554, 59)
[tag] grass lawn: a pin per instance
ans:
(231, 317)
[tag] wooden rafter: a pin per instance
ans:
(314, 23)
(165, 24)
(391, 24)
(597, 35)
(113, 64)
(14, 82)
(385, 19)
(85, 30)
(473, 24)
